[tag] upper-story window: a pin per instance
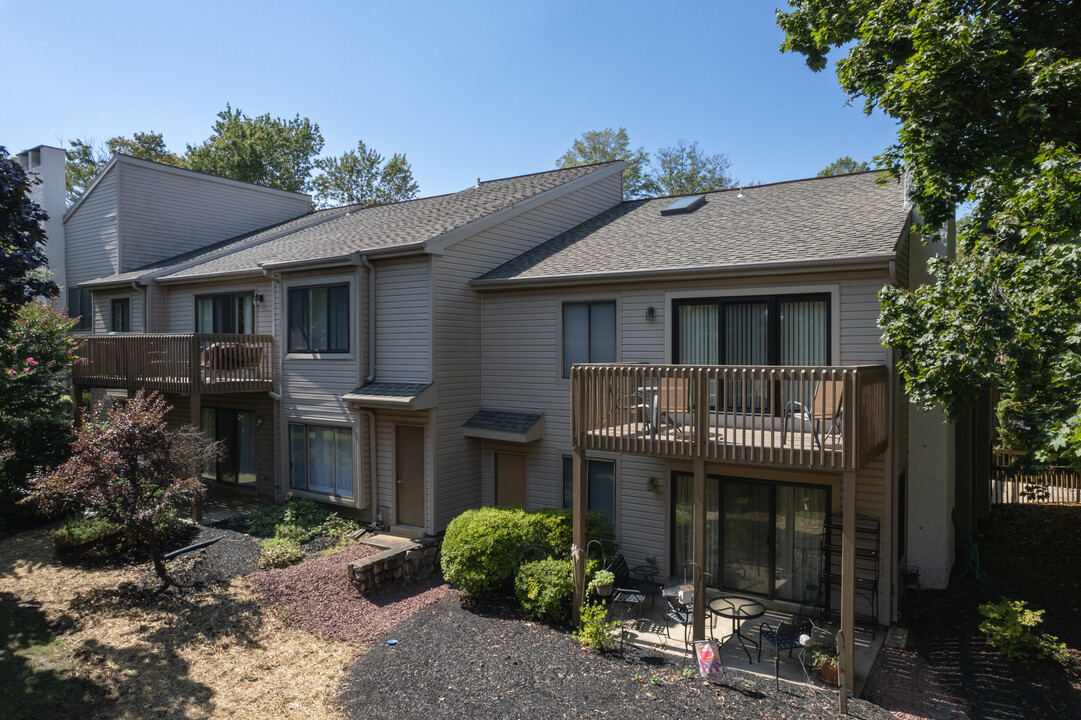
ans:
(225, 313)
(319, 319)
(589, 333)
(781, 330)
(80, 305)
(120, 315)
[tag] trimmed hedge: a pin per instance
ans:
(483, 549)
(545, 588)
(555, 531)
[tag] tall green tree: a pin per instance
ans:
(985, 94)
(361, 177)
(843, 165)
(683, 168)
(606, 145)
(86, 158)
(263, 150)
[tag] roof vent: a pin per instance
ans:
(684, 205)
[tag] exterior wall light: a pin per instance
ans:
(651, 312)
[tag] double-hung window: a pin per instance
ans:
(321, 459)
(319, 319)
(225, 313)
(120, 315)
(600, 486)
(589, 333)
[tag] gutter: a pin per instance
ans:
(793, 267)
(146, 314)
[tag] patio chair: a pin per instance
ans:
(626, 407)
(673, 403)
(682, 613)
(786, 636)
(825, 407)
(626, 589)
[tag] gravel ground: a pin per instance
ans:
(456, 662)
(318, 597)
(234, 555)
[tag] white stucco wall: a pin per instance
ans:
(48, 164)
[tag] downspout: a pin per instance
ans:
(372, 464)
(371, 317)
(371, 376)
(146, 315)
(275, 395)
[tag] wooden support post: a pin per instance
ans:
(197, 411)
(77, 405)
(848, 574)
(578, 520)
(699, 543)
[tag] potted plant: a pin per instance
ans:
(602, 582)
(823, 656)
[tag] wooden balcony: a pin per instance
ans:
(814, 418)
(188, 364)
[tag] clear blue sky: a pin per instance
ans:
(465, 89)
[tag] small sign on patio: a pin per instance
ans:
(709, 657)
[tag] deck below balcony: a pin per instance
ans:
(816, 418)
(189, 364)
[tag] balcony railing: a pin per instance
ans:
(824, 418)
(191, 363)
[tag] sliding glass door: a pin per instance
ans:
(761, 538)
(235, 430)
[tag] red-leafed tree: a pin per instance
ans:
(129, 468)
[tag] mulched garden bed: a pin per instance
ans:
(459, 662)
(317, 596)
(234, 555)
(1030, 553)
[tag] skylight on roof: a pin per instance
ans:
(684, 205)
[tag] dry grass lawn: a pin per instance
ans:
(190, 654)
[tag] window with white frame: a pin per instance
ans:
(319, 319)
(589, 333)
(321, 459)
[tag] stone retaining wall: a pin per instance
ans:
(401, 562)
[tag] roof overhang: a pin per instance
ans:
(791, 267)
(505, 425)
(394, 395)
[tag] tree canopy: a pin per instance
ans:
(263, 150)
(22, 242)
(682, 169)
(361, 177)
(843, 165)
(596, 146)
(985, 95)
(86, 158)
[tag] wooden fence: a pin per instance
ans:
(1011, 485)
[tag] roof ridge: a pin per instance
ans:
(546, 172)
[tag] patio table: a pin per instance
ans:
(737, 609)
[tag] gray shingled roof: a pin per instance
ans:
(210, 251)
(389, 226)
(847, 216)
(503, 420)
(390, 390)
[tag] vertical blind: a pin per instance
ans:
(589, 333)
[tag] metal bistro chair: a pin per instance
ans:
(786, 636)
(680, 612)
(825, 407)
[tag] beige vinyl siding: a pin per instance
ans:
(403, 320)
(180, 304)
(165, 213)
(91, 233)
(103, 310)
(521, 370)
(861, 339)
(457, 335)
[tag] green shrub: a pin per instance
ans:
(1008, 629)
(545, 589)
(279, 553)
(94, 540)
(596, 630)
(483, 548)
(555, 531)
(297, 519)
